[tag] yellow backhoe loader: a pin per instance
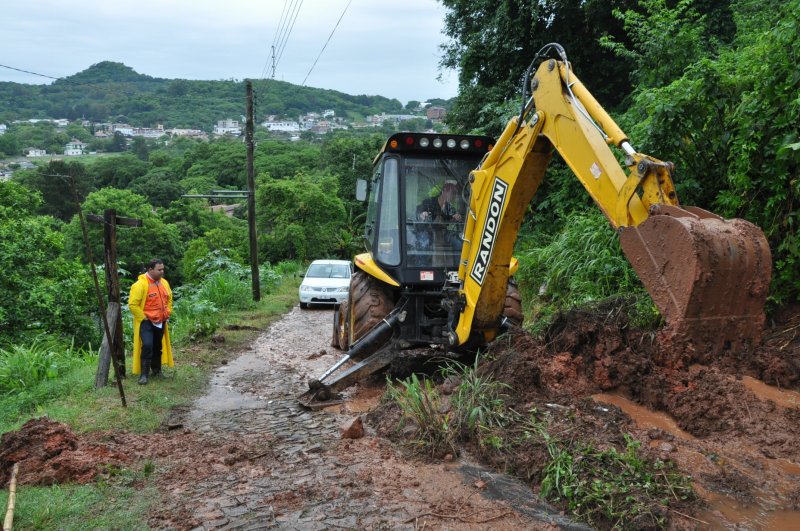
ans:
(438, 264)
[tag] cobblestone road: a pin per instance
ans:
(283, 467)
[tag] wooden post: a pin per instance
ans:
(108, 351)
(115, 349)
(251, 198)
(112, 286)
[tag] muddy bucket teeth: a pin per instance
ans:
(708, 276)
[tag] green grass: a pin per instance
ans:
(120, 501)
(581, 265)
(421, 404)
(122, 498)
(609, 488)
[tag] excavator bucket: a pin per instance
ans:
(708, 276)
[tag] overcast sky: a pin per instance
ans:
(385, 48)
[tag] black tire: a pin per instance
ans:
(512, 309)
(303, 305)
(369, 302)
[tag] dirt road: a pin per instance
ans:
(262, 462)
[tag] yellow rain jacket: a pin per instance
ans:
(136, 303)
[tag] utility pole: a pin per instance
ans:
(251, 196)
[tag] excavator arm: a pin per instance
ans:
(708, 276)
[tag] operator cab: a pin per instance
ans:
(419, 194)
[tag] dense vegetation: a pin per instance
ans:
(711, 86)
(305, 208)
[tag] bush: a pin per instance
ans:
(192, 318)
(25, 366)
(582, 264)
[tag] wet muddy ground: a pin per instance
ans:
(732, 423)
(246, 456)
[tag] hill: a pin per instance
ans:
(110, 91)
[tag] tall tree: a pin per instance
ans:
(492, 43)
(54, 183)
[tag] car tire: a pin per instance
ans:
(373, 302)
(304, 305)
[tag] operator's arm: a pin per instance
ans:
(426, 210)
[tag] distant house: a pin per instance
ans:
(190, 133)
(378, 119)
(228, 127)
(3, 128)
(149, 132)
(75, 147)
(287, 127)
(35, 152)
(436, 113)
(228, 210)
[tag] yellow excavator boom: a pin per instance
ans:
(708, 276)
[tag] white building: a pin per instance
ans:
(286, 127)
(190, 133)
(228, 127)
(149, 132)
(3, 128)
(35, 152)
(378, 119)
(75, 147)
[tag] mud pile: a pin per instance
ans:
(730, 423)
(48, 452)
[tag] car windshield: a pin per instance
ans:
(328, 271)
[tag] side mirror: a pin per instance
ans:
(361, 190)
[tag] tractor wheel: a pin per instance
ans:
(340, 327)
(512, 308)
(368, 304)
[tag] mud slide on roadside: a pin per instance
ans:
(722, 423)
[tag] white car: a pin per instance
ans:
(326, 282)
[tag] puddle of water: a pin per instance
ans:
(766, 513)
(763, 391)
(366, 399)
(221, 395)
(726, 512)
(644, 418)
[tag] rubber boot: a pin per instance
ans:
(143, 379)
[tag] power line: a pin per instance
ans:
(278, 30)
(326, 42)
(282, 46)
(29, 72)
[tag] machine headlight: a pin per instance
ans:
(465, 144)
(306, 288)
(451, 143)
(344, 289)
(437, 142)
(424, 142)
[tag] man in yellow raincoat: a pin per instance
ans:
(151, 305)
